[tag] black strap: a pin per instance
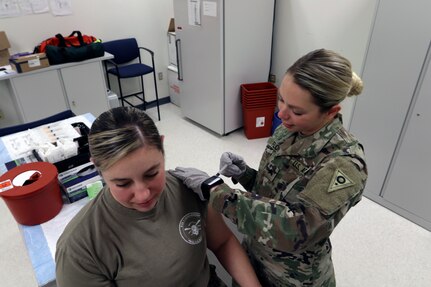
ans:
(62, 40)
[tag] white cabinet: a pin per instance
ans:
(172, 49)
(79, 86)
(392, 116)
(85, 88)
(173, 82)
(220, 48)
(408, 184)
(174, 85)
(39, 95)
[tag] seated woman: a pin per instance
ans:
(144, 228)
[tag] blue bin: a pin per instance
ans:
(276, 121)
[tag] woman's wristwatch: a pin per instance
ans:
(208, 184)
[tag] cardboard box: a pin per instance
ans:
(171, 27)
(4, 49)
(28, 62)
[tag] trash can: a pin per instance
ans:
(32, 192)
(259, 101)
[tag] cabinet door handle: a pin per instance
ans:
(178, 51)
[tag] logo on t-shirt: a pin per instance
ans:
(191, 228)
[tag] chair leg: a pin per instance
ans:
(157, 94)
(121, 91)
(143, 93)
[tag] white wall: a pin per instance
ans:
(304, 25)
(300, 26)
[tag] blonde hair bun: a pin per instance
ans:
(357, 85)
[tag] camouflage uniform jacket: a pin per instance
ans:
(304, 187)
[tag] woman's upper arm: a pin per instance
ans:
(217, 231)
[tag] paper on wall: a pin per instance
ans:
(61, 7)
(210, 8)
(194, 11)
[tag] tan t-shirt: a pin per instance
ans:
(107, 244)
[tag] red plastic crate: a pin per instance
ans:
(261, 102)
(258, 88)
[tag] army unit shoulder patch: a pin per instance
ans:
(339, 181)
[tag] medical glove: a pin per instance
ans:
(232, 165)
(192, 178)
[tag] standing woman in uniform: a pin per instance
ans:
(311, 173)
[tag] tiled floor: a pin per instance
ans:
(372, 246)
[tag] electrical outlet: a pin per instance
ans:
(272, 78)
(160, 74)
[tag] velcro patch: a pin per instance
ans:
(339, 175)
(339, 181)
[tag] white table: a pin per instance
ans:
(40, 240)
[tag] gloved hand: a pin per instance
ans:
(232, 165)
(192, 178)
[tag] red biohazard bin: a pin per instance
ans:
(37, 202)
(259, 101)
(258, 122)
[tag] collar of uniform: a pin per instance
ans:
(309, 146)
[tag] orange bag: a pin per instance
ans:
(75, 39)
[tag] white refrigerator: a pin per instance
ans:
(221, 45)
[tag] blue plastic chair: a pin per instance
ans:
(22, 127)
(124, 65)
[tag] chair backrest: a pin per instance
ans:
(124, 50)
(22, 127)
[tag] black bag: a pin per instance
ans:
(60, 55)
(75, 39)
